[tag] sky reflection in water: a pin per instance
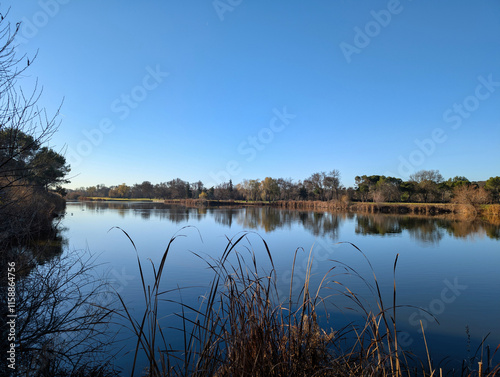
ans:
(448, 267)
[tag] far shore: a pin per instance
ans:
(488, 211)
(107, 199)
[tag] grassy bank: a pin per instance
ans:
(426, 209)
(108, 199)
(215, 203)
(406, 208)
(490, 212)
(365, 207)
(368, 207)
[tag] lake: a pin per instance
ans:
(447, 267)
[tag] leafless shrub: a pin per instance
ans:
(61, 326)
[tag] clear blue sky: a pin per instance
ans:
(155, 90)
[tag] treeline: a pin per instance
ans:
(425, 186)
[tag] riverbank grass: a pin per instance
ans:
(244, 328)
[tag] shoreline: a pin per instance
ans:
(490, 212)
(429, 209)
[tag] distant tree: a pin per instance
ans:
(91, 191)
(362, 187)
(178, 189)
(102, 190)
(368, 190)
(241, 189)
(307, 189)
(408, 190)
(316, 189)
(493, 186)
(302, 191)
(189, 193)
(120, 191)
(349, 194)
(426, 182)
(446, 188)
(331, 184)
(270, 189)
(163, 191)
(197, 188)
(470, 195)
(123, 191)
(254, 185)
(210, 193)
(286, 188)
(425, 186)
(136, 191)
(387, 189)
(147, 190)
(458, 181)
(224, 191)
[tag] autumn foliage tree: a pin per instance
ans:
(270, 189)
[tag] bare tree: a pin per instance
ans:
(426, 182)
(286, 187)
(331, 183)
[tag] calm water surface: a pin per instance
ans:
(449, 268)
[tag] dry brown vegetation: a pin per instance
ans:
(493, 210)
(331, 205)
(243, 329)
(28, 212)
(470, 199)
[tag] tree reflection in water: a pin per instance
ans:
(381, 225)
(426, 230)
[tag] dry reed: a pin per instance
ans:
(243, 329)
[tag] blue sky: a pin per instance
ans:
(212, 90)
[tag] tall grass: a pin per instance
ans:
(244, 328)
